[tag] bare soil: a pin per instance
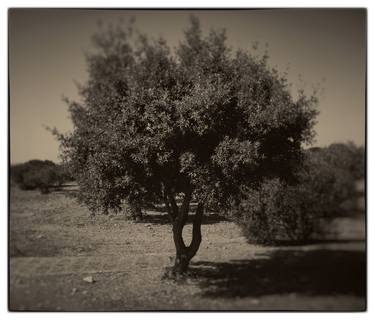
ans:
(55, 244)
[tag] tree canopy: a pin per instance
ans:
(201, 118)
(197, 122)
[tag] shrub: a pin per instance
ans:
(38, 174)
(41, 179)
(276, 210)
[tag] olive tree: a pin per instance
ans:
(196, 123)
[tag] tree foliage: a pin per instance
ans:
(198, 122)
(203, 118)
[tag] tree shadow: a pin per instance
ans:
(162, 218)
(322, 240)
(317, 272)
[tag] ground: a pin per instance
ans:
(55, 245)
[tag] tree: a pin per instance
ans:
(333, 172)
(38, 174)
(193, 124)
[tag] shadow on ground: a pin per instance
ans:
(318, 272)
(162, 218)
(323, 240)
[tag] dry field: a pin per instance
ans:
(55, 245)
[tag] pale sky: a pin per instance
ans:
(326, 47)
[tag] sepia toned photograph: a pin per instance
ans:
(187, 160)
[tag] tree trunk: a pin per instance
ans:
(181, 263)
(172, 211)
(185, 253)
(135, 212)
(44, 190)
(197, 234)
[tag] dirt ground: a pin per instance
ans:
(55, 245)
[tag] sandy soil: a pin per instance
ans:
(55, 244)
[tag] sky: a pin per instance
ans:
(323, 48)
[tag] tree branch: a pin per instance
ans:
(180, 221)
(171, 213)
(173, 203)
(197, 234)
(184, 210)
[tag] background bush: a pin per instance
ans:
(38, 174)
(276, 210)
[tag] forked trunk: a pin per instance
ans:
(185, 253)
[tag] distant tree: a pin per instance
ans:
(347, 157)
(195, 124)
(38, 174)
(334, 171)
